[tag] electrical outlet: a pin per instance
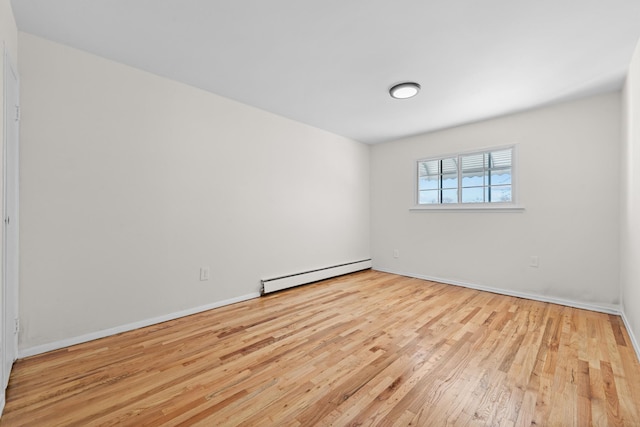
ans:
(396, 253)
(204, 273)
(534, 261)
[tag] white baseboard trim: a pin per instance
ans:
(634, 342)
(3, 400)
(602, 308)
(67, 342)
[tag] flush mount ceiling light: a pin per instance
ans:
(404, 90)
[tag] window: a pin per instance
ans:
(470, 178)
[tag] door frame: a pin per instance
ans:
(10, 305)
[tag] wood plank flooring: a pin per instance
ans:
(365, 349)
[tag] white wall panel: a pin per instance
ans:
(630, 207)
(568, 182)
(132, 182)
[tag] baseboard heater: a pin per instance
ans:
(284, 282)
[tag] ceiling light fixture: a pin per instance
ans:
(404, 90)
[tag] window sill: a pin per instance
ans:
(456, 207)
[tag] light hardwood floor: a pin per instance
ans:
(365, 349)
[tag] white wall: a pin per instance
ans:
(132, 182)
(568, 170)
(630, 212)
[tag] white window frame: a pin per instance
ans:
(513, 205)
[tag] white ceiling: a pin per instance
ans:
(329, 63)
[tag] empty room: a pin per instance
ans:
(299, 213)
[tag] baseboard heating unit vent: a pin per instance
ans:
(284, 282)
